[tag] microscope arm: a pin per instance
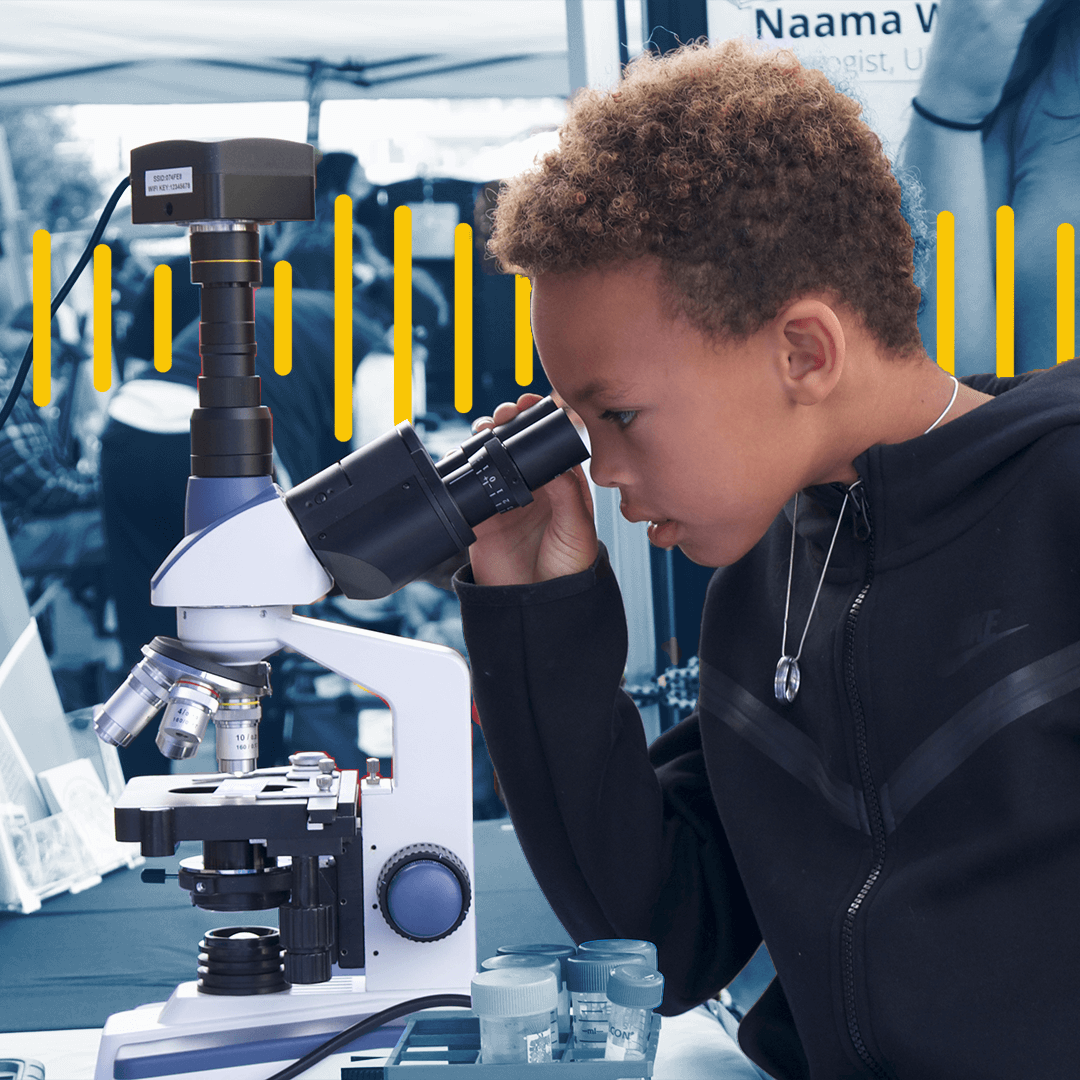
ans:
(427, 688)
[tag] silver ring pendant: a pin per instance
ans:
(786, 683)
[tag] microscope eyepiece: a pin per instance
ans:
(387, 513)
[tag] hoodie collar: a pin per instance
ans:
(925, 491)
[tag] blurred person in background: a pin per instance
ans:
(309, 247)
(135, 347)
(49, 503)
(40, 474)
(997, 123)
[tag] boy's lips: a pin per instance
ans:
(662, 533)
(633, 514)
(661, 530)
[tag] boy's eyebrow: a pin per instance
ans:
(597, 389)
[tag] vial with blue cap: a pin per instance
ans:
(633, 992)
(515, 1006)
(587, 977)
(631, 945)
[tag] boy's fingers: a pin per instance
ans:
(583, 484)
(571, 524)
(507, 410)
(570, 493)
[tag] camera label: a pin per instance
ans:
(168, 181)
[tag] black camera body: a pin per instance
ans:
(181, 181)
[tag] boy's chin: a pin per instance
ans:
(702, 558)
(708, 554)
(704, 551)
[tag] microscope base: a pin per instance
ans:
(206, 1037)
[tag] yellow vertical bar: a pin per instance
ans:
(282, 317)
(1006, 288)
(946, 292)
(343, 318)
(42, 317)
(102, 363)
(1066, 292)
(162, 317)
(463, 318)
(402, 314)
(523, 340)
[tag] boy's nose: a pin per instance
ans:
(603, 475)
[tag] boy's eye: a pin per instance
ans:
(622, 417)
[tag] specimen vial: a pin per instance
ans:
(631, 945)
(587, 977)
(560, 952)
(633, 992)
(514, 1006)
(548, 963)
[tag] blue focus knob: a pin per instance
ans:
(424, 892)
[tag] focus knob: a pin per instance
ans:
(424, 892)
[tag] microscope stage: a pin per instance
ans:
(268, 805)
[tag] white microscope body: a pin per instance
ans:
(234, 584)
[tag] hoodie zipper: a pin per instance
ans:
(863, 530)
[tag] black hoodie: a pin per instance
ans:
(905, 835)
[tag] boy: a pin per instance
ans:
(881, 776)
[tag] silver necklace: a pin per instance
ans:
(788, 678)
(955, 391)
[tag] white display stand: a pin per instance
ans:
(55, 804)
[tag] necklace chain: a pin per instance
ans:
(788, 678)
(945, 412)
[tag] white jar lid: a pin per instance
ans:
(524, 960)
(516, 991)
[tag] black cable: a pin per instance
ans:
(95, 236)
(368, 1024)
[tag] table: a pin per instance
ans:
(67, 967)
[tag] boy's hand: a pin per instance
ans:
(551, 537)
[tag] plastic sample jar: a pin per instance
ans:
(587, 977)
(631, 945)
(514, 1006)
(559, 952)
(548, 963)
(633, 992)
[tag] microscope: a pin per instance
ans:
(370, 874)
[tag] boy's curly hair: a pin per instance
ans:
(748, 175)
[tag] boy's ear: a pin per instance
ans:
(812, 348)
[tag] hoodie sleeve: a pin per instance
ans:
(624, 840)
